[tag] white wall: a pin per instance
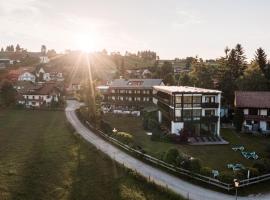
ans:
(176, 127)
(263, 125)
(263, 112)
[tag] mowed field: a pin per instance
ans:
(41, 158)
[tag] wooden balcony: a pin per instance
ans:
(257, 117)
(211, 118)
(210, 105)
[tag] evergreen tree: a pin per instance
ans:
(261, 59)
(18, 48)
(238, 119)
(12, 48)
(8, 93)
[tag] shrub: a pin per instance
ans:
(195, 165)
(156, 135)
(105, 127)
(184, 135)
(262, 165)
(152, 124)
(206, 171)
(171, 156)
(192, 164)
(253, 172)
(241, 174)
(238, 119)
(124, 137)
(226, 177)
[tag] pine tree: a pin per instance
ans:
(12, 48)
(261, 59)
(18, 48)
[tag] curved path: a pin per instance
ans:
(160, 177)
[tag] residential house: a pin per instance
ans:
(256, 109)
(39, 96)
(27, 76)
(194, 109)
(129, 95)
(45, 74)
(23, 85)
(44, 59)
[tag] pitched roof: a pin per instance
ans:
(135, 83)
(184, 89)
(244, 99)
(45, 89)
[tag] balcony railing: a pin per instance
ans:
(210, 105)
(257, 117)
(211, 118)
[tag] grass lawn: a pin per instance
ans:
(214, 156)
(40, 158)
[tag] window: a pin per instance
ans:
(113, 98)
(197, 112)
(210, 112)
(130, 98)
(267, 125)
(248, 122)
(178, 99)
(187, 101)
(253, 111)
(187, 114)
(122, 91)
(177, 113)
(209, 99)
(113, 91)
(197, 101)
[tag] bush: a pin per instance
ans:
(241, 174)
(206, 171)
(152, 124)
(156, 135)
(195, 165)
(262, 165)
(171, 156)
(124, 137)
(192, 164)
(106, 127)
(238, 119)
(253, 172)
(226, 177)
(184, 134)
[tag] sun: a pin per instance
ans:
(86, 42)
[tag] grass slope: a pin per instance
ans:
(40, 158)
(214, 156)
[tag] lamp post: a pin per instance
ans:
(236, 185)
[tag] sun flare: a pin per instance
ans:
(86, 42)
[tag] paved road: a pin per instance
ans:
(158, 176)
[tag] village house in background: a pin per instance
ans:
(129, 95)
(191, 108)
(256, 109)
(39, 96)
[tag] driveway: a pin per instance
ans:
(160, 177)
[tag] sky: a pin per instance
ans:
(172, 28)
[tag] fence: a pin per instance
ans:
(178, 170)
